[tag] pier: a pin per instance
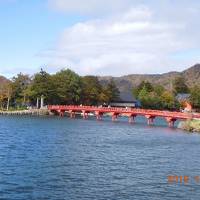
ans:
(115, 112)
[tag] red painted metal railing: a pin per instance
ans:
(171, 117)
(156, 113)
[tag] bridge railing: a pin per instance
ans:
(117, 110)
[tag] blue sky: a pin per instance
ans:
(103, 37)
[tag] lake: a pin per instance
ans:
(60, 158)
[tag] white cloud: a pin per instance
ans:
(140, 40)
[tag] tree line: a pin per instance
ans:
(157, 97)
(64, 87)
(67, 87)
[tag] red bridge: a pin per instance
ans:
(114, 112)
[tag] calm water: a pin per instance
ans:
(54, 158)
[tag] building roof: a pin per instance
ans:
(183, 96)
(127, 97)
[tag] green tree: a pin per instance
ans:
(67, 85)
(168, 100)
(42, 85)
(143, 96)
(148, 87)
(156, 97)
(19, 85)
(195, 97)
(91, 90)
(112, 91)
(104, 96)
(179, 85)
(159, 89)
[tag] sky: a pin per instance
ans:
(99, 37)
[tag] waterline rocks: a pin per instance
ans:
(26, 112)
(190, 125)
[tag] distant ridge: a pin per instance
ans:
(126, 83)
(3, 80)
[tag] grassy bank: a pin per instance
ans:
(190, 125)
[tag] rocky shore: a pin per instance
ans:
(190, 125)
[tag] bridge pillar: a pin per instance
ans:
(98, 115)
(87, 115)
(114, 117)
(131, 118)
(150, 119)
(170, 121)
(61, 113)
(72, 114)
(84, 114)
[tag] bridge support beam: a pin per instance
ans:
(170, 121)
(150, 119)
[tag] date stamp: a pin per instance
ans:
(174, 179)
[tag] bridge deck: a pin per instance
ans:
(170, 117)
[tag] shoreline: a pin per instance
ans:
(192, 126)
(34, 112)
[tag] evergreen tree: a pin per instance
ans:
(19, 85)
(42, 85)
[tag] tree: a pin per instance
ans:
(179, 85)
(104, 96)
(113, 93)
(67, 85)
(143, 97)
(148, 87)
(19, 85)
(2, 95)
(91, 90)
(42, 85)
(168, 100)
(159, 89)
(8, 94)
(156, 97)
(5, 95)
(195, 97)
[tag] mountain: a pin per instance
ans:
(128, 82)
(3, 80)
